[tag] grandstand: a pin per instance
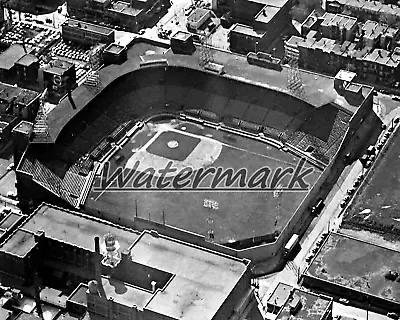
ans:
(65, 165)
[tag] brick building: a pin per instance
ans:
(131, 15)
(8, 60)
(259, 23)
(364, 9)
(125, 270)
(86, 33)
(335, 41)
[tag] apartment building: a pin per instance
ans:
(327, 56)
(336, 41)
(338, 26)
(258, 23)
(364, 9)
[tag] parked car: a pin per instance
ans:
(344, 301)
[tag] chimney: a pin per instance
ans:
(97, 244)
(380, 53)
(97, 260)
(153, 286)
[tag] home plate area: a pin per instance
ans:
(233, 215)
(179, 149)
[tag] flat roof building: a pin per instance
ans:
(64, 241)
(193, 283)
(279, 297)
(86, 33)
(306, 306)
(356, 270)
(8, 60)
(197, 18)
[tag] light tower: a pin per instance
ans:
(294, 80)
(40, 127)
(206, 55)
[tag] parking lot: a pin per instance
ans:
(33, 37)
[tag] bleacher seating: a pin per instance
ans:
(322, 150)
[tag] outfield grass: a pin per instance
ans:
(240, 215)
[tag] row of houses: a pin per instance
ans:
(365, 10)
(335, 41)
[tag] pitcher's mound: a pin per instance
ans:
(173, 144)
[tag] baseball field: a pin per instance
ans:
(256, 204)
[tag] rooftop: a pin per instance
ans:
(181, 35)
(9, 221)
(79, 294)
(19, 244)
(383, 57)
(273, 3)
(203, 279)
(23, 127)
(125, 8)
(63, 64)
(243, 29)
(313, 306)
(125, 294)
(5, 314)
(114, 48)
(27, 60)
(373, 30)
(266, 14)
(345, 75)
(198, 14)
(339, 20)
(87, 26)
(361, 266)
(74, 228)
(280, 294)
(9, 57)
(372, 6)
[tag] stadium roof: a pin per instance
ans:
(319, 88)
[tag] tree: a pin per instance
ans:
(390, 20)
(303, 8)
